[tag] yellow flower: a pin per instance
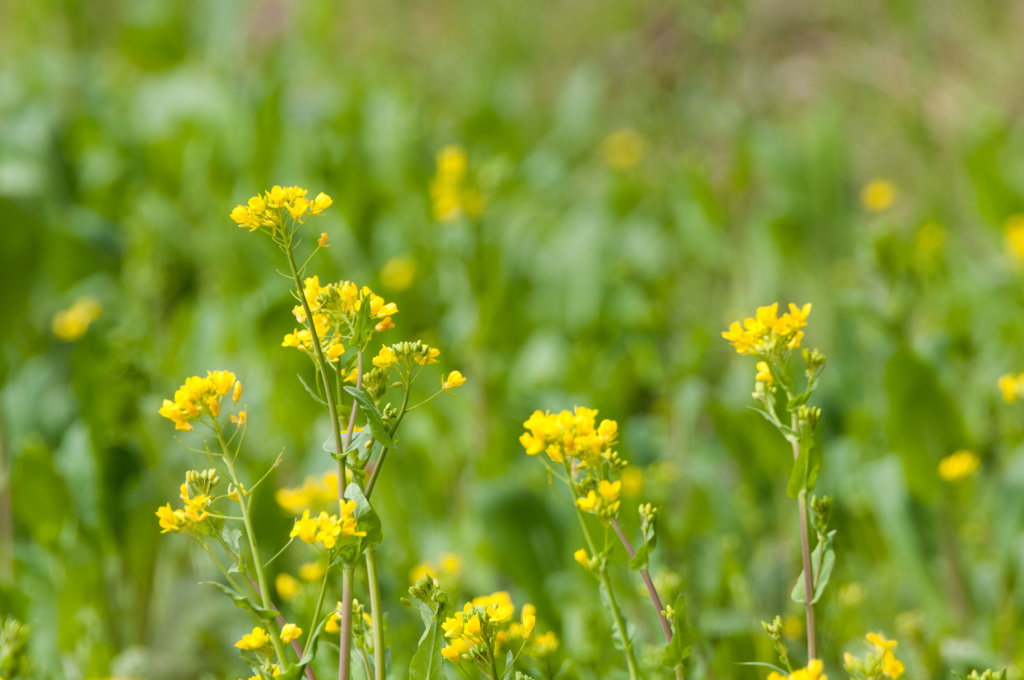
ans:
(582, 557)
(930, 238)
(290, 632)
(385, 358)
(588, 502)
(609, 490)
(305, 529)
(72, 323)
(766, 333)
(1011, 386)
(451, 563)
(398, 273)
(623, 149)
(286, 585)
(173, 521)
(1013, 231)
(311, 571)
(877, 195)
(958, 465)
(499, 606)
(271, 210)
(454, 379)
(332, 625)
(320, 203)
(528, 622)
(254, 641)
(198, 397)
(813, 671)
(764, 373)
(429, 358)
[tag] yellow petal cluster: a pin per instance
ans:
(450, 196)
(72, 323)
(878, 195)
(327, 529)
(290, 632)
(570, 435)
(813, 671)
(604, 502)
(271, 209)
(623, 149)
(334, 308)
(198, 397)
(766, 333)
(1011, 386)
(958, 465)
(255, 641)
(316, 493)
(1013, 232)
(483, 623)
(454, 379)
(881, 660)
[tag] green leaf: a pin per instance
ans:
(427, 662)
(643, 553)
(805, 468)
(358, 439)
(373, 416)
(781, 671)
(681, 645)
(797, 401)
(316, 397)
(827, 562)
(366, 516)
(242, 601)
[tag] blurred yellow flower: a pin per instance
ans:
(312, 571)
(764, 373)
(454, 379)
(632, 482)
(450, 197)
(958, 465)
(385, 358)
(72, 323)
(766, 333)
(623, 149)
(878, 195)
(1013, 231)
(398, 273)
(930, 239)
(582, 557)
(287, 586)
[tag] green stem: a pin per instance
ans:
(243, 502)
(345, 642)
(384, 451)
(375, 614)
(493, 670)
(812, 644)
(318, 610)
(620, 622)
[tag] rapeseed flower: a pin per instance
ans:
(254, 641)
(316, 493)
(72, 323)
(880, 662)
(454, 379)
(768, 335)
(958, 465)
(198, 397)
(571, 435)
(327, 529)
(450, 194)
(1013, 232)
(483, 626)
(290, 632)
(287, 586)
(271, 210)
(1011, 386)
(623, 149)
(878, 195)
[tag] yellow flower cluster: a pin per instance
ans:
(1012, 386)
(880, 662)
(196, 495)
(449, 565)
(316, 492)
(255, 641)
(334, 308)
(271, 209)
(450, 196)
(623, 149)
(767, 334)
(200, 396)
(327, 529)
(958, 465)
(571, 435)
(472, 632)
(813, 671)
(1013, 232)
(408, 353)
(72, 323)
(878, 195)
(604, 502)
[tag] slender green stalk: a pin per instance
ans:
(602, 572)
(317, 611)
(243, 502)
(6, 508)
(652, 591)
(493, 670)
(375, 614)
(346, 623)
(812, 643)
(384, 451)
(220, 567)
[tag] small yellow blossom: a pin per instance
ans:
(271, 210)
(72, 323)
(312, 571)
(764, 373)
(582, 557)
(623, 149)
(878, 195)
(768, 334)
(1011, 386)
(287, 586)
(398, 273)
(173, 521)
(254, 641)
(323, 241)
(333, 624)
(290, 632)
(527, 626)
(385, 358)
(454, 379)
(1013, 232)
(958, 465)
(429, 358)
(198, 397)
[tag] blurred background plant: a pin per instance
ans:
(633, 177)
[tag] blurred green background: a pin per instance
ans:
(130, 129)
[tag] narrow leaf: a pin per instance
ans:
(242, 601)
(316, 397)
(427, 662)
(373, 416)
(821, 579)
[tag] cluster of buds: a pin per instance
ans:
(406, 354)
(604, 501)
(821, 513)
(775, 631)
(196, 494)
